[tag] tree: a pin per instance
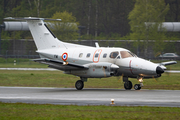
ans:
(67, 29)
(173, 14)
(148, 11)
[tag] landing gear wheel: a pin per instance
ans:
(79, 85)
(137, 86)
(128, 85)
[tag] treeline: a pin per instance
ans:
(103, 19)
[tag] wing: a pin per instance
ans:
(168, 63)
(163, 64)
(60, 65)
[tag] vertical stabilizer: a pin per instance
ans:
(43, 37)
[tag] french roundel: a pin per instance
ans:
(64, 56)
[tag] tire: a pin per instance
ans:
(79, 85)
(137, 86)
(128, 85)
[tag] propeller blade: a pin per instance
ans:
(154, 78)
(121, 78)
(104, 71)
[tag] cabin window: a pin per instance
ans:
(80, 55)
(96, 55)
(126, 54)
(114, 54)
(105, 54)
(88, 55)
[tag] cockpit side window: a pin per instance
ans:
(114, 54)
(126, 54)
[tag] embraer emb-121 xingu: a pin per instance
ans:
(90, 62)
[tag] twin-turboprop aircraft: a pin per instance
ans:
(90, 62)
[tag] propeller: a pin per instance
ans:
(166, 71)
(104, 70)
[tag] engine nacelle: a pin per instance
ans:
(96, 70)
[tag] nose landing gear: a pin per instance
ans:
(138, 86)
(128, 84)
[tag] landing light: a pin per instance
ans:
(140, 80)
(65, 63)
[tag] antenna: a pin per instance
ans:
(96, 44)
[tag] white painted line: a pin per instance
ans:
(46, 69)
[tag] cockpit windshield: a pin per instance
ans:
(126, 54)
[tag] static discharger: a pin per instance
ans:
(112, 102)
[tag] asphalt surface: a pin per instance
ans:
(71, 96)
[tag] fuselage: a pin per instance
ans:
(129, 64)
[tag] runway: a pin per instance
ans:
(70, 96)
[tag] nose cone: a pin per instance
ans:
(114, 67)
(159, 70)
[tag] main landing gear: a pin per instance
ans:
(128, 84)
(80, 83)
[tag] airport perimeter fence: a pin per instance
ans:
(26, 49)
(17, 57)
(19, 54)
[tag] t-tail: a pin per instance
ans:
(43, 37)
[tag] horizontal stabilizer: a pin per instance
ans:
(31, 18)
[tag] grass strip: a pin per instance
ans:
(59, 79)
(72, 112)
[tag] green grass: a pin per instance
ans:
(20, 63)
(20, 111)
(30, 64)
(59, 79)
